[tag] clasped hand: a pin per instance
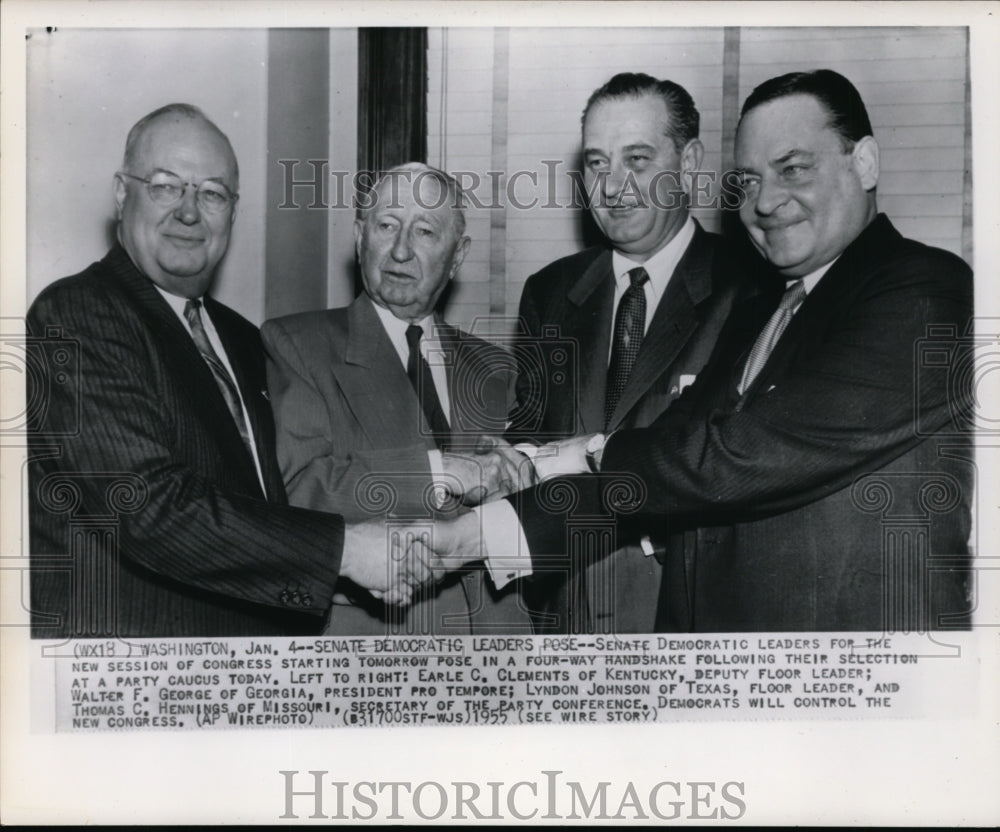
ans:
(492, 470)
(394, 561)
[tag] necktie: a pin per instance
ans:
(765, 343)
(226, 385)
(630, 323)
(419, 373)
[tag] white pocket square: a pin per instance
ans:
(686, 381)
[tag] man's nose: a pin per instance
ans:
(770, 196)
(401, 247)
(612, 181)
(187, 210)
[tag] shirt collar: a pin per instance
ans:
(396, 328)
(810, 280)
(660, 266)
(176, 302)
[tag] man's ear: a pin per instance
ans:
(864, 157)
(359, 232)
(120, 192)
(459, 256)
(691, 157)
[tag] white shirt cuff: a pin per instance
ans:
(506, 549)
(528, 449)
(436, 461)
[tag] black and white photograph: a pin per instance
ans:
(606, 387)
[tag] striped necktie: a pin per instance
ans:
(630, 325)
(765, 343)
(224, 381)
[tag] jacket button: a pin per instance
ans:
(307, 600)
(284, 597)
(296, 598)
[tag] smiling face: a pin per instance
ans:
(409, 245)
(177, 246)
(807, 198)
(636, 177)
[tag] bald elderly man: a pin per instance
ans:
(375, 403)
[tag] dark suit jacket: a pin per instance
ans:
(567, 308)
(352, 439)
(834, 494)
(147, 517)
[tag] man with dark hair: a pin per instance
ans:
(643, 311)
(823, 466)
(847, 114)
(157, 507)
(684, 120)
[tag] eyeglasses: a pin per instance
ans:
(168, 189)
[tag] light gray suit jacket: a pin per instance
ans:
(351, 435)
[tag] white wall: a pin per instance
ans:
(87, 87)
(912, 80)
(85, 90)
(343, 155)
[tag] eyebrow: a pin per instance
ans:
(629, 147)
(791, 154)
(220, 179)
(394, 212)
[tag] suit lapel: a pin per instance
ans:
(676, 319)
(450, 343)
(245, 359)
(588, 325)
(449, 339)
(480, 393)
(374, 380)
(824, 300)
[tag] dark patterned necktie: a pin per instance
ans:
(419, 372)
(630, 323)
(224, 381)
(768, 338)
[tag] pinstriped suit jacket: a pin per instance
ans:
(147, 517)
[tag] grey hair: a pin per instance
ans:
(456, 197)
(176, 109)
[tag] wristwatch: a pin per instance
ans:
(594, 451)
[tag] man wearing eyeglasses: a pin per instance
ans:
(157, 505)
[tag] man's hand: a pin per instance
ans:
(380, 557)
(562, 458)
(450, 545)
(494, 470)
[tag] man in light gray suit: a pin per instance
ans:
(370, 401)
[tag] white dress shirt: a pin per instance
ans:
(431, 349)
